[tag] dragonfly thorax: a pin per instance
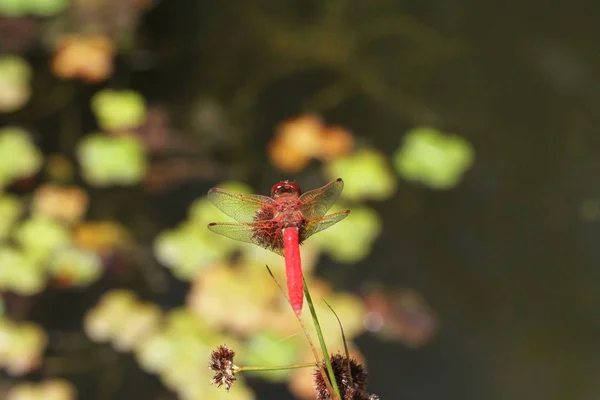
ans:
(272, 220)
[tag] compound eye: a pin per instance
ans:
(285, 187)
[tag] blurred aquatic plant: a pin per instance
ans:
(366, 173)
(15, 77)
(186, 250)
(267, 348)
(21, 347)
(121, 319)
(20, 273)
(250, 296)
(107, 160)
(38, 8)
(85, 57)
(43, 249)
(41, 237)
(118, 110)
(11, 209)
(38, 245)
(301, 139)
(354, 241)
(50, 389)
(170, 345)
(177, 352)
(19, 157)
(64, 203)
(433, 158)
(101, 237)
(74, 266)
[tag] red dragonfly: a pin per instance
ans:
(280, 223)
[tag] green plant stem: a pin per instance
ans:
(277, 368)
(345, 344)
(321, 340)
(310, 342)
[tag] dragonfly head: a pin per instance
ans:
(285, 187)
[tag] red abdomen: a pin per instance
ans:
(293, 268)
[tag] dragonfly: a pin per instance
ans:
(280, 223)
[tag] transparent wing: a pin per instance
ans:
(242, 232)
(316, 203)
(318, 224)
(241, 207)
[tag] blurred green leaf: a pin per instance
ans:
(19, 273)
(42, 8)
(187, 249)
(433, 158)
(351, 239)
(76, 266)
(46, 8)
(13, 8)
(11, 208)
(112, 160)
(14, 69)
(366, 175)
(119, 110)
(19, 157)
(269, 349)
(41, 237)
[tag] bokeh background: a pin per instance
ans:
(467, 136)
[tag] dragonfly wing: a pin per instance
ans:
(316, 203)
(241, 207)
(242, 232)
(318, 224)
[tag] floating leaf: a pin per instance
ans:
(15, 75)
(187, 250)
(436, 159)
(352, 240)
(46, 8)
(236, 298)
(19, 273)
(19, 158)
(13, 8)
(21, 346)
(65, 203)
(51, 389)
(77, 267)
(41, 237)
(366, 175)
(85, 57)
(11, 209)
(101, 237)
(121, 319)
(112, 160)
(42, 8)
(119, 110)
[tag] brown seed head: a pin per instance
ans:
(221, 362)
(354, 391)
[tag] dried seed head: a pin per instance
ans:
(221, 362)
(354, 391)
